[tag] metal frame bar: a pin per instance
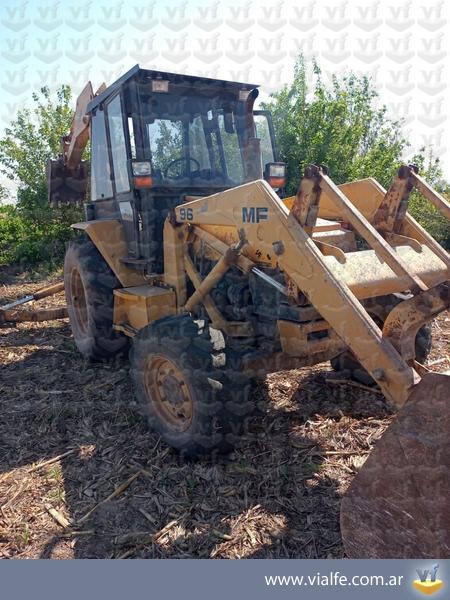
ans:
(393, 208)
(306, 202)
(430, 194)
(369, 233)
(231, 328)
(222, 267)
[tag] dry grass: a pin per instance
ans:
(81, 475)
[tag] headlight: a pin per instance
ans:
(141, 169)
(275, 174)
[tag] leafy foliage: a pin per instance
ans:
(166, 141)
(31, 231)
(339, 126)
(3, 194)
(28, 241)
(343, 127)
(422, 210)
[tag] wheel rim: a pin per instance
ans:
(78, 300)
(169, 393)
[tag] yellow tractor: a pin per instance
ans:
(191, 257)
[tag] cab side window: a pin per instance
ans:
(101, 186)
(263, 133)
(118, 145)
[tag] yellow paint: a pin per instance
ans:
(136, 307)
(365, 194)
(428, 587)
(368, 276)
(109, 238)
(326, 231)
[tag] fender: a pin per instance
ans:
(108, 237)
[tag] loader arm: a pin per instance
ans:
(67, 176)
(74, 143)
(266, 223)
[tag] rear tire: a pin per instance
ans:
(195, 406)
(347, 363)
(89, 286)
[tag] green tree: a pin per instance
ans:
(28, 142)
(422, 210)
(344, 127)
(3, 194)
(166, 143)
(339, 126)
(32, 138)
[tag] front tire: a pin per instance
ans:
(89, 287)
(195, 406)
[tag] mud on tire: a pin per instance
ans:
(89, 284)
(197, 407)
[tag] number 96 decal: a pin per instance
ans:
(186, 214)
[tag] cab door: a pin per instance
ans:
(120, 156)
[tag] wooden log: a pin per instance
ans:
(33, 316)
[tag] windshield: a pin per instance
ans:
(193, 141)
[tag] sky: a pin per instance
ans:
(402, 46)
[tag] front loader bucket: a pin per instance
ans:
(398, 505)
(67, 185)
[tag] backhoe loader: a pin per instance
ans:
(191, 258)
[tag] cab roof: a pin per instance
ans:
(141, 75)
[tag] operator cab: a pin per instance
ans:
(158, 137)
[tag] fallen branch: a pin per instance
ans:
(147, 516)
(70, 534)
(164, 530)
(15, 496)
(223, 536)
(355, 384)
(57, 516)
(55, 392)
(438, 361)
(154, 538)
(344, 452)
(52, 460)
(119, 490)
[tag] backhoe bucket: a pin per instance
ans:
(398, 504)
(67, 185)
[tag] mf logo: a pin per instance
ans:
(255, 214)
(428, 582)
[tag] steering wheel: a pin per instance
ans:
(178, 160)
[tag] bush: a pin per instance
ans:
(28, 241)
(430, 219)
(32, 232)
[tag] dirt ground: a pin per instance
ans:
(81, 476)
